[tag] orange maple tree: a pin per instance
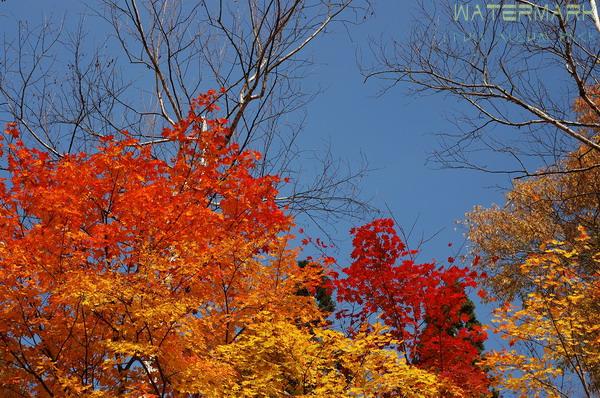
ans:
(120, 271)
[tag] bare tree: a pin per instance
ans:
(66, 87)
(519, 65)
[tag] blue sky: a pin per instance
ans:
(395, 132)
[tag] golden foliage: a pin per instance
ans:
(558, 325)
(274, 358)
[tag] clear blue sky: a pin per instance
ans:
(395, 132)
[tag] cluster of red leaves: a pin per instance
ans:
(421, 303)
(124, 182)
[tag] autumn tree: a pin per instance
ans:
(554, 332)
(540, 251)
(422, 304)
(121, 272)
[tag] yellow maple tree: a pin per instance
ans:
(556, 326)
(278, 358)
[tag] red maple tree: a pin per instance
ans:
(422, 304)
